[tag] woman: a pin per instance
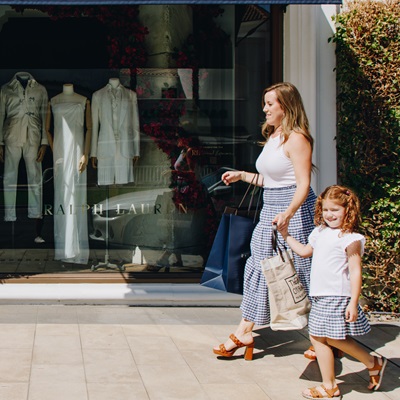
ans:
(285, 165)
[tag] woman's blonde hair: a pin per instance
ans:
(295, 118)
(344, 197)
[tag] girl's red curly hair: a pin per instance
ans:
(344, 197)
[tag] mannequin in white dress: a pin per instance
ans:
(70, 153)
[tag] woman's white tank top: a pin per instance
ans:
(273, 164)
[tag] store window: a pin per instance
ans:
(116, 125)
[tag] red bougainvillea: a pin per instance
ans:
(125, 34)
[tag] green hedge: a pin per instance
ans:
(367, 42)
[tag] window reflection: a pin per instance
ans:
(134, 132)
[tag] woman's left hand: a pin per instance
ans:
(282, 221)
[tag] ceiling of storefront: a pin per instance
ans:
(95, 2)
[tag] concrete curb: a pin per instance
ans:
(162, 294)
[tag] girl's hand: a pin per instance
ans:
(231, 177)
(351, 312)
(284, 232)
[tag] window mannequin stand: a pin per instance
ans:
(106, 264)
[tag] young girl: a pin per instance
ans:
(335, 286)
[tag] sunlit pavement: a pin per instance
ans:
(119, 352)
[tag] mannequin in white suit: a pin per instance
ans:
(115, 137)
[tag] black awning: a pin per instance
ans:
(120, 2)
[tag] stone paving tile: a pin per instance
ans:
(165, 353)
(155, 350)
(111, 391)
(14, 390)
(103, 337)
(57, 329)
(59, 372)
(15, 365)
(17, 336)
(59, 390)
(177, 383)
(235, 391)
(57, 349)
(110, 366)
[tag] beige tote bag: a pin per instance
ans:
(288, 301)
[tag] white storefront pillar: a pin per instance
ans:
(309, 62)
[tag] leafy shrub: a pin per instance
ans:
(368, 135)
(382, 260)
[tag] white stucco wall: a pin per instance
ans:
(309, 62)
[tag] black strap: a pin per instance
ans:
(275, 242)
(258, 204)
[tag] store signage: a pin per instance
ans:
(120, 209)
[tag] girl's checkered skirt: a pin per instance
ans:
(327, 318)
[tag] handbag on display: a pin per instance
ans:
(224, 269)
(289, 304)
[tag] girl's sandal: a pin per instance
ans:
(317, 393)
(376, 373)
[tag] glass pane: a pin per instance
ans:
(115, 135)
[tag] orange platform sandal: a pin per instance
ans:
(248, 354)
(310, 353)
(336, 352)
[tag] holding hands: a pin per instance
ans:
(282, 221)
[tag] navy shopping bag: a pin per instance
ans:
(224, 269)
(225, 265)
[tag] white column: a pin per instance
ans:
(309, 62)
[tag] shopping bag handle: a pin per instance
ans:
(247, 191)
(275, 242)
(255, 176)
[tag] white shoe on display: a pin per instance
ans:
(39, 239)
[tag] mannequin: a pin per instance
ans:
(23, 106)
(70, 152)
(115, 138)
(114, 82)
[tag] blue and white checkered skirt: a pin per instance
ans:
(255, 304)
(327, 318)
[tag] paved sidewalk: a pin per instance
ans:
(56, 352)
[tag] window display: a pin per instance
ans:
(129, 185)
